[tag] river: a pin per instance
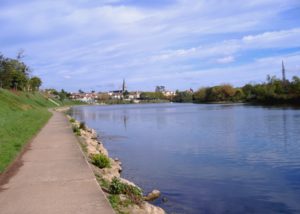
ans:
(206, 158)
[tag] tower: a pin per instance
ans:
(123, 86)
(283, 73)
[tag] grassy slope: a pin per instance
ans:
(21, 116)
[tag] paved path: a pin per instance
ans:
(54, 177)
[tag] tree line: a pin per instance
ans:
(272, 91)
(15, 74)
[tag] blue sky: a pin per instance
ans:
(93, 45)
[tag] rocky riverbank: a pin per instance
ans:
(124, 195)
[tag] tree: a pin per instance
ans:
(152, 96)
(14, 74)
(35, 83)
(62, 95)
(200, 95)
(18, 80)
(183, 97)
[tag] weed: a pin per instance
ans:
(116, 186)
(82, 126)
(76, 130)
(134, 194)
(101, 161)
(103, 182)
(114, 201)
(117, 203)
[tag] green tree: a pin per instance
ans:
(35, 83)
(183, 97)
(200, 95)
(152, 96)
(13, 73)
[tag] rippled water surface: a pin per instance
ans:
(206, 158)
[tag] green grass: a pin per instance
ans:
(22, 115)
(100, 161)
(117, 204)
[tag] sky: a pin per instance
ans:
(180, 44)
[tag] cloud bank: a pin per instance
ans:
(181, 44)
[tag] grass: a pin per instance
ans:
(100, 161)
(22, 115)
(118, 204)
(103, 182)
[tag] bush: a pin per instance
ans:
(116, 186)
(72, 120)
(114, 200)
(134, 194)
(101, 161)
(82, 126)
(76, 130)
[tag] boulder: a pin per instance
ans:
(152, 195)
(146, 208)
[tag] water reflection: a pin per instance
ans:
(207, 158)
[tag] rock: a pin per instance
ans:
(92, 150)
(123, 180)
(89, 137)
(146, 208)
(94, 134)
(152, 195)
(164, 200)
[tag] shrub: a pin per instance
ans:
(72, 120)
(82, 126)
(101, 161)
(116, 186)
(134, 194)
(76, 130)
(114, 200)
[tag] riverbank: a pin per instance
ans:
(124, 195)
(22, 115)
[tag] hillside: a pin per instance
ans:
(22, 115)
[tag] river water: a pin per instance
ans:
(206, 158)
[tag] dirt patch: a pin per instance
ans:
(13, 168)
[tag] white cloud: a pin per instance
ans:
(104, 41)
(225, 60)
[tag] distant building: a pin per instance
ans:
(116, 95)
(160, 89)
(124, 86)
(283, 73)
(190, 91)
(169, 93)
(134, 95)
(84, 97)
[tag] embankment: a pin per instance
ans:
(22, 115)
(124, 196)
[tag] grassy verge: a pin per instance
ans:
(22, 115)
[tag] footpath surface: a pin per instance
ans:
(53, 177)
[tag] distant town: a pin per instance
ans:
(123, 94)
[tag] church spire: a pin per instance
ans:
(283, 72)
(124, 86)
